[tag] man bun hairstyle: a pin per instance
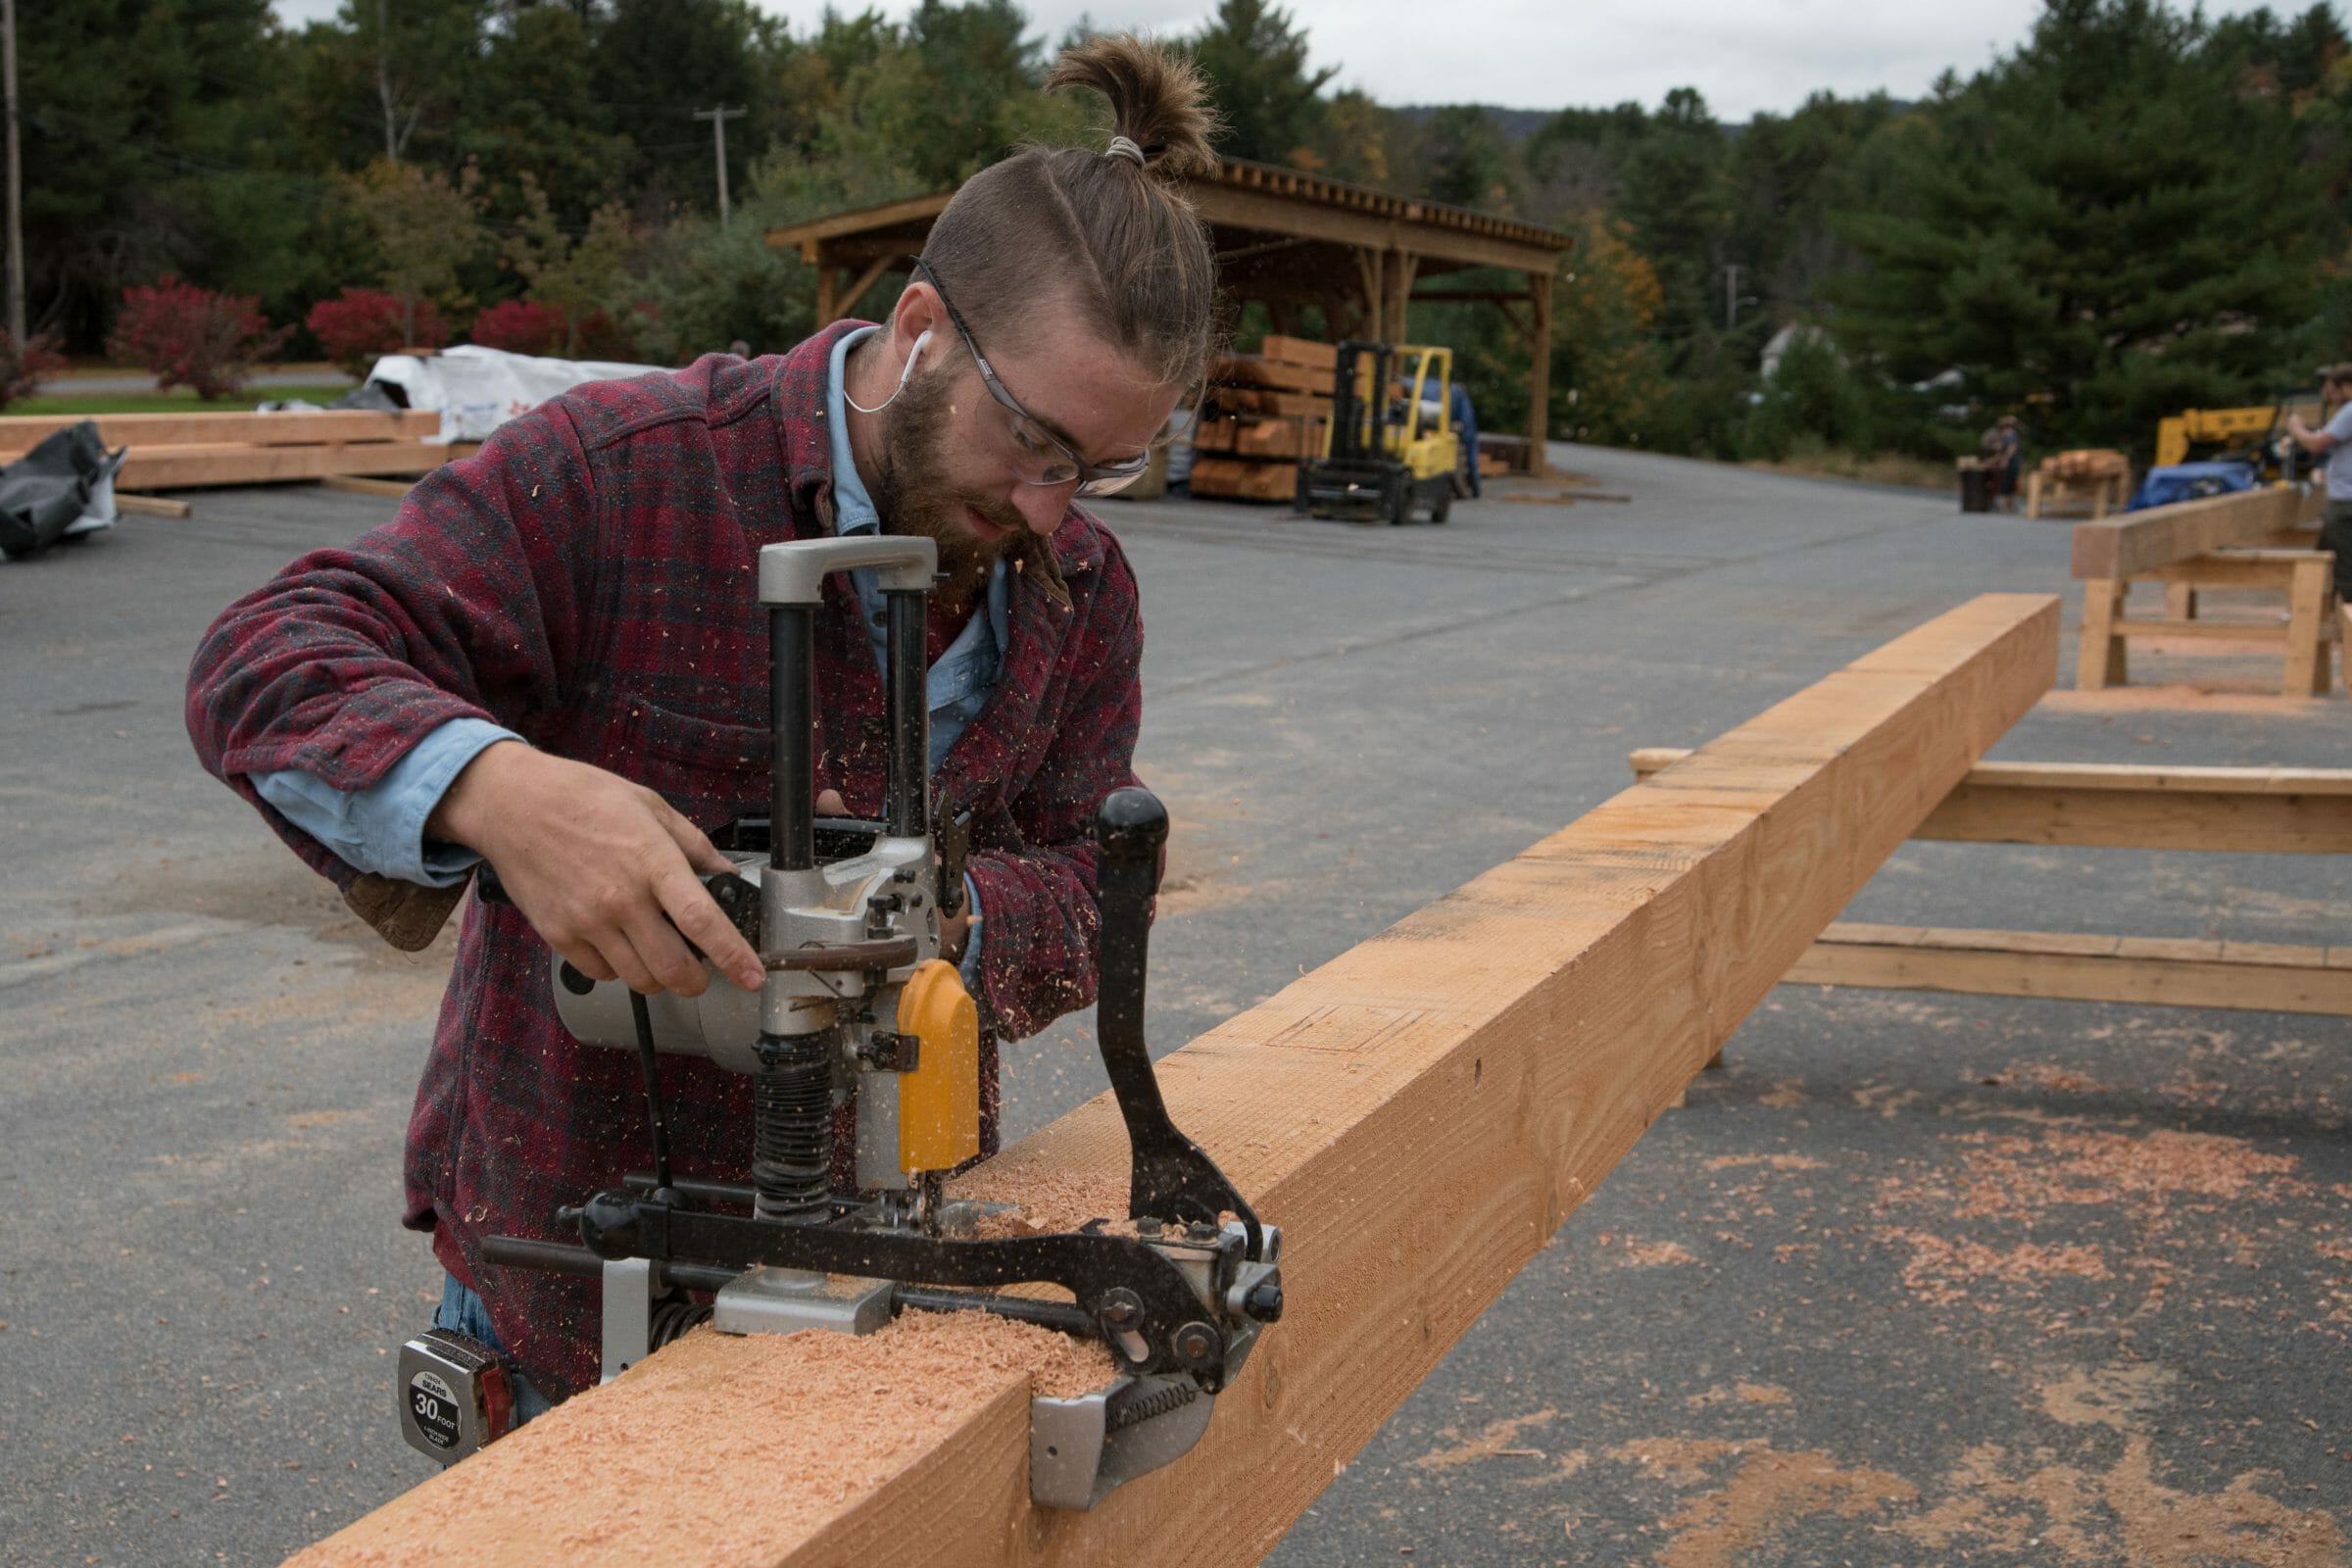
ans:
(1110, 233)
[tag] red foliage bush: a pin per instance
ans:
(367, 323)
(195, 337)
(520, 327)
(531, 326)
(24, 366)
(602, 337)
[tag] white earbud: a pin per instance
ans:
(912, 355)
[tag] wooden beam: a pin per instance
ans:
(130, 506)
(2103, 659)
(20, 433)
(914, 209)
(2309, 626)
(2139, 541)
(1404, 267)
(1539, 375)
(1482, 296)
(352, 484)
(1523, 320)
(1272, 214)
(1235, 479)
(1234, 369)
(2262, 976)
(1241, 252)
(863, 281)
(182, 468)
(1420, 1115)
(828, 283)
(2236, 810)
(2264, 567)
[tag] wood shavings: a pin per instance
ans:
(811, 1420)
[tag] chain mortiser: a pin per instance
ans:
(859, 1011)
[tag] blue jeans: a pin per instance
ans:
(462, 1311)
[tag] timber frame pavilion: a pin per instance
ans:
(1283, 238)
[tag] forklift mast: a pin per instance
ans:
(1355, 418)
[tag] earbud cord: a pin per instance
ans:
(912, 355)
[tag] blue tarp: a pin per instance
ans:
(2187, 481)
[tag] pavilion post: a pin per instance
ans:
(1538, 373)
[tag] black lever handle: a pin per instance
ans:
(737, 899)
(1173, 1177)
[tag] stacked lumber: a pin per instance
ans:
(2093, 478)
(1260, 413)
(178, 451)
(2085, 464)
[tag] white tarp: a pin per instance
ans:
(475, 391)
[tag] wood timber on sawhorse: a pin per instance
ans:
(2252, 539)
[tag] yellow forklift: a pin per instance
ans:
(2255, 435)
(1391, 447)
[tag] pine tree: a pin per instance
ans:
(1255, 62)
(2100, 229)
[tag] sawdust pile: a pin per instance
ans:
(1046, 1200)
(2066, 1514)
(1941, 1268)
(1768, 1491)
(2019, 1177)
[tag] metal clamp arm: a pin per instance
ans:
(1173, 1177)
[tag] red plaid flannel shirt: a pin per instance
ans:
(588, 580)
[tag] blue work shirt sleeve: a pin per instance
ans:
(381, 828)
(969, 968)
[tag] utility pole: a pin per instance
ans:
(718, 119)
(16, 179)
(1731, 296)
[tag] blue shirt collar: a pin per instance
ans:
(853, 508)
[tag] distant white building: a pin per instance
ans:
(1787, 337)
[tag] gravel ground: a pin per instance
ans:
(1916, 1279)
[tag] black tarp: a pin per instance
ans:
(47, 491)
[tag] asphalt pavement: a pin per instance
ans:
(1916, 1279)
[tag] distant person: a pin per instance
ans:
(1465, 425)
(2001, 451)
(740, 349)
(2333, 442)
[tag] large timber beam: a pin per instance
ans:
(2118, 549)
(2121, 806)
(2080, 966)
(1420, 1114)
(20, 433)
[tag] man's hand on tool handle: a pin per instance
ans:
(595, 864)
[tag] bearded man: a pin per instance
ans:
(553, 659)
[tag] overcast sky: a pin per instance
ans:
(1744, 55)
